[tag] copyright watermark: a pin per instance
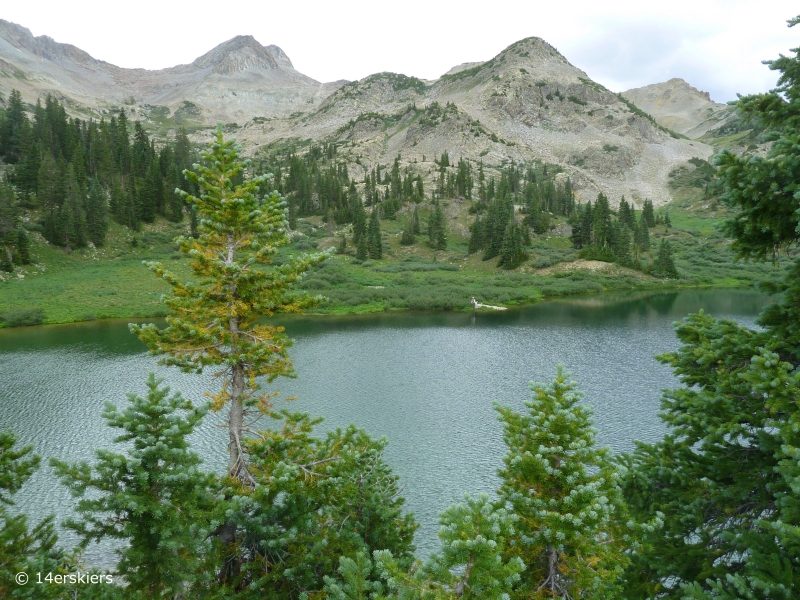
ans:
(65, 578)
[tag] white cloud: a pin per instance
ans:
(716, 45)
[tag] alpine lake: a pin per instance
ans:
(425, 381)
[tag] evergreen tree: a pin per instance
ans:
(565, 493)
(415, 220)
(49, 185)
(476, 241)
(512, 253)
(6, 260)
(23, 549)
(624, 213)
(437, 230)
(362, 250)
(601, 223)
(648, 214)
(314, 500)
(158, 501)
(73, 215)
(664, 265)
(726, 474)
(644, 233)
(359, 221)
(174, 202)
(23, 250)
(9, 223)
(499, 214)
(407, 235)
(471, 564)
(217, 322)
(96, 214)
(622, 243)
(374, 241)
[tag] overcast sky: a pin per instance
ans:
(716, 45)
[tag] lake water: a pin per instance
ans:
(427, 382)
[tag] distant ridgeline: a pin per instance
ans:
(75, 173)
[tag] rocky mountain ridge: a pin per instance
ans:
(237, 80)
(682, 108)
(527, 103)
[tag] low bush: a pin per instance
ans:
(23, 317)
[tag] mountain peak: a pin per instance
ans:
(243, 52)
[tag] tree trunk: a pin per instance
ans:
(236, 462)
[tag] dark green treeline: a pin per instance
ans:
(78, 173)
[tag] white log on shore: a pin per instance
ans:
(476, 304)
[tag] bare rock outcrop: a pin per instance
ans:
(678, 106)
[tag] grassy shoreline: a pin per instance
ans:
(111, 282)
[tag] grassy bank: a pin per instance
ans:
(111, 282)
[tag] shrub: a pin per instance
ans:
(22, 317)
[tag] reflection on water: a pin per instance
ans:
(427, 382)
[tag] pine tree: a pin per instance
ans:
(158, 501)
(415, 219)
(216, 323)
(565, 493)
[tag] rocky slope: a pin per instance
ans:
(233, 82)
(679, 106)
(527, 103)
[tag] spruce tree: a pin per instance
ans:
(23, 549)
(565, 493)
(96, 214)
(315, 499)
(152, 496)
(664, 265)
(471, 565)
(23, 250)
(359, 221)
(374, 242)
(476, 241)
(362, 250)
(512, 253)
(215, 323)
(648, 214)
(407, 235)
(727, 474)
(437, 230)
(644, 234)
